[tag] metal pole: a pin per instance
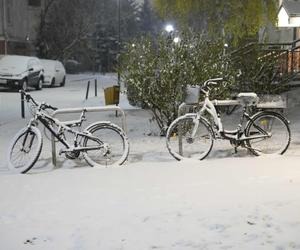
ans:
(4, 26)
(22, 105)
(119, 40)
(54, 162)
(87, 91)
(96, 87)
(180, 112)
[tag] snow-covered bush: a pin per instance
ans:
(157, 72)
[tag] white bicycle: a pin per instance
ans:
(192, 135)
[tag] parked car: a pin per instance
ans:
(55, 73)
(21, 72)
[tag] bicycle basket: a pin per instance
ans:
(192, 94)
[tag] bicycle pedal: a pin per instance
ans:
(189, 140)
(72, 155)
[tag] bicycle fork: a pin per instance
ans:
(23, 149)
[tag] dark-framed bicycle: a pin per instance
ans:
(101, 143)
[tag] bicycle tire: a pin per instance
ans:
(181, 146)
(274, 124)
(13, 150)
(116, 140)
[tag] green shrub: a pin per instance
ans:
(157, 72)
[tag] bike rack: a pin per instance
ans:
(88, 110)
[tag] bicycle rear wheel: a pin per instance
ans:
(25, 149)
(180, 143)
(275, 126)
(114, 145)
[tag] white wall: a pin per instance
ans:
(283, 18)
(285, 21)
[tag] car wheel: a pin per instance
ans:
(52, 82)
(24, 85)
(63, 82)
(39, 85)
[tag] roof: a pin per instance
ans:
(292, 7)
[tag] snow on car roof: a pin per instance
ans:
(14, 60)
(14, 63)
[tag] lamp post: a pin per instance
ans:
(172, 33)
(119, 40)
(4, 26)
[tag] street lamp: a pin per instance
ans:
(169, 28)
(176, 39)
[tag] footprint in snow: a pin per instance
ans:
(34, 240)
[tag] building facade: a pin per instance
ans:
(19, 22)
(287, 29)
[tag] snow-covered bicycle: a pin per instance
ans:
(101, 143)
(192, 135)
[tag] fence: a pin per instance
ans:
(288, 56)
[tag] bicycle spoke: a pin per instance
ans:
(277, 130)
(25, 150)
(182, 144)
(110, 145)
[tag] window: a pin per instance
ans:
(32, 63)
(34, 3)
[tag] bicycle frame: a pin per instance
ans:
(47, 120)
(220, 132)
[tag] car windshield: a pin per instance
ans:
(49, 65)
(14, 62)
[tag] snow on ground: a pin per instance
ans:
(229, 201)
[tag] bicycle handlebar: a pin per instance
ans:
(28, 97)
(213, 81)
(48, 106)
(42, 105)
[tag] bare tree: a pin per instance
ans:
(64, 27)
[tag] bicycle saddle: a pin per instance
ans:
(248, 99)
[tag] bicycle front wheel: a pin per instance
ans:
(181, 142)
(270, 132)
(112, 145)
(25, 150)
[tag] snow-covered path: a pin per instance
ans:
(153, 202)
(238, 204)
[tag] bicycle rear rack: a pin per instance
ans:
(88, 110)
